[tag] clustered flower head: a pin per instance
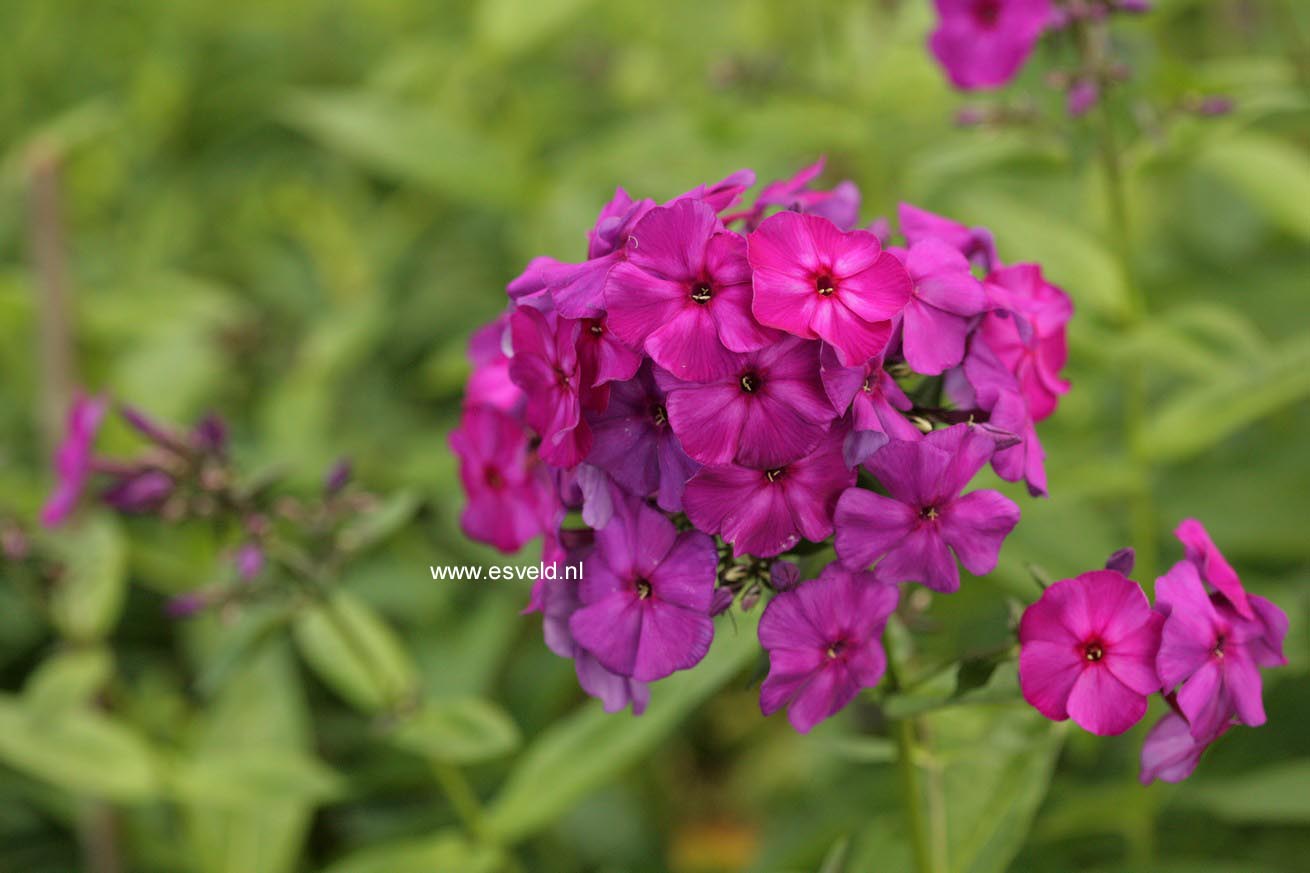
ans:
(723, 382)
(1094, 650)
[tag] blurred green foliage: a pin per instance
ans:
(294, 212)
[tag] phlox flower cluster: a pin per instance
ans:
(1093, 650)
(723, 381)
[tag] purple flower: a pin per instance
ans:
(937, 318)
(546, 366)
(874, 400)
(510, 499)
(1088, 652)
(766, 512)
(841, 205)
(1215, 570)
(912, 529)
(578, 290)
(769, 409)
(983, 43)
(557, 600)
(603, 356)
(722, 194)
(975, 243)
(1214, 653)
(1030, 339)
(1170, 753)
(635, 444)
(73, 458)
(646, 594)
(209, 436)
(140, 492)
(1122, 561)
(489, 384)
(684, 293)
(815, 281)
(186, 605)
(249, 561)
(824, 644)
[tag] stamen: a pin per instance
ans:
(1093, 652)
(749, 382)
(701, 293)
(643, 589)
(929, 512)
(825, 286)
(660, 415)
(774, 475)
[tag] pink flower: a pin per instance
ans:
(684, 293)
(768, 409)
(814, 281)
(975, 243)
(489, 384)
(1030, 339)
(646, 594)
(824, 640)
(546, 366)
(1212, 655)
(1215, 570)
(73, 459)
(578, 290)
(510, 498)
(766, 512)
(1088, 652)
(875, 402)
(841, 205)
(914, 530)
(603, 356)
(1170, 753)
(945, 299)
(983, 43)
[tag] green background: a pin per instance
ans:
(294, 212)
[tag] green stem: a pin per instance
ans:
(915, 818)
(461, 796)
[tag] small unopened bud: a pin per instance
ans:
(143, 492)
(249, 561)
(750, 598)
(1083, 95)
(186, 605)
(1122, 561)
(784, 575)
(337, 478)
(972, 116)
(721, 600)
(210, 435)
(1215, 105)
(152, 430)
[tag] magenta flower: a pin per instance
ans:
(603, 356)
(983, 43)
(489, 384)
(635, 444)
(646, 594)
(875, 403)
(1088, 652)
(140, 492)
(766, 512)
(684, 293)
(1212, 654)
(1170, 753)
(1030, 339)
(975, 243)
(945, 299)
(557, 600)
(768, 410)
(1215, 570)
(814, 281)
(915, 529)
(824, 640)
(722, 194)
(546, 366)
(510, 498)
(73, 458)
(987, 384)
(578, 290)
(841, 205)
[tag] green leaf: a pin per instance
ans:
(249, 776)
(1196, 419)
(68, 679)
(412, 144)
(1273, 174)
(444, 852)
(355, 652)
(512, 26)
(1272, 795)
(590, 747)
(458, 731)
(89, 595)
(87, 753)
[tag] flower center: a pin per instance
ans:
(750, 382)
(824, 285)
(867, 388)
(643, 589)
(774, 475)
(562, 376)
(596, 328)
(659, 415)
(986, 13)
(835, 650)
(929, 512)
(700, 292)
(1093, 652)
(493, 478)
(1218, 650)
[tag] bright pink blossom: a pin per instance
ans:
(1211, 564)
(975, 243)
(824, 640)
(815, 281)
(1170, 753)
(73, 458)
(546, 367)
(945, 300)
(1088, 652)
(1030, 339)
(875, 403)
(983, 43)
